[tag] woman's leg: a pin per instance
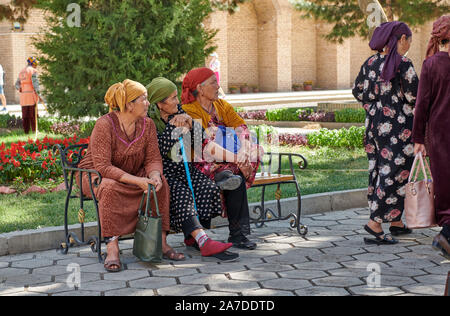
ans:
(238, 216)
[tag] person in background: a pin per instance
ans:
(387, 87)
(214, 65)
(432, 108)
(28, 86)
(2, 94)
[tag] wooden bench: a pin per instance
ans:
(266, 178)
(70, 158)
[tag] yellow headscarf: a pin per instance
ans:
(119, 94)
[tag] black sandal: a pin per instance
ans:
(397, 231)
(386, 240)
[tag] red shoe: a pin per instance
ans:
(212, 247)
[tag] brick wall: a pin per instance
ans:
(265, 43)
(243, 46)
(15, 48)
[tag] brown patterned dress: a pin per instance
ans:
(113, 155)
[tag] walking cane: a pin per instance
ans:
(188, 174)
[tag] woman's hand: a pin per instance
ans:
(246, 169)
(153, 179)
(420, 148)
(156, 181)
(182, 120)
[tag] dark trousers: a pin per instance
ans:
(237, 210)
(29, 118)
(191, 224)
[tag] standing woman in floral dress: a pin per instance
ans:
(387, 87)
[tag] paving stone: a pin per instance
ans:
(28, 279)
(375, 291)
(267, 292)
(84, 277)
(396, 281)
(253, 275)
(432, 279)
(9, 272)
(376, 257)
(234, 286)
(152, 283)
(7, 289)
(274, 246)
(11, 258)
(404, 272)
(286, 284)
(4, 265)
(323, 266)
(52, 270)
(270, 267)
(174, 272)
(78, 293)
(182, 290)
(330, 258)
(360, 264)
(425, 289)
(216, 293)
(50, 288)
(335, 281)
(322, 291)
(203, 278)
(392, 249)
(303, 274)
(344, 251)
(33, 263)
(127, 275)
(102, 285)
(349, 272)
(225, 267)
(412, 263)
(79, 261)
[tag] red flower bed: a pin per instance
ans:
(33, 159)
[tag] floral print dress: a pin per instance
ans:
(389, 120)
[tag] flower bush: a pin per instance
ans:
(293, 139)
(254, 115)
(65, 128)
(350, 138)
(33, 160)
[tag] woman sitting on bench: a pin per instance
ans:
(169, 119)
(124, 149)
(201, 101)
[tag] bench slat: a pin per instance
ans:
(272, 178)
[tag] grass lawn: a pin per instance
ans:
(9, 136)
(329, 169)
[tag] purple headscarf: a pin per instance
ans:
(387, 34)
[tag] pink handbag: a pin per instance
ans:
(419, 199)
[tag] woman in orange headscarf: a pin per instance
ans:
(432, 108)
(123, 148)
(200, 99)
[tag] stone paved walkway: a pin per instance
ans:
(333, 260)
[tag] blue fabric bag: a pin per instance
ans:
(228, 139)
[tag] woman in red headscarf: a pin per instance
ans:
(200, 99)
(433, 108)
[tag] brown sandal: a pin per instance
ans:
(173, 255)
(111, 263)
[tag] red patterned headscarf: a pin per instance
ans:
(441, 31)
(193, 78)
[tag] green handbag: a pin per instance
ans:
(148, 236)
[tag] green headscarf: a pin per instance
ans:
(159, 89)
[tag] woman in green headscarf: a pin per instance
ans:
(171, 122)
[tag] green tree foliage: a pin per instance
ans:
(348, 20)
(139, 40)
